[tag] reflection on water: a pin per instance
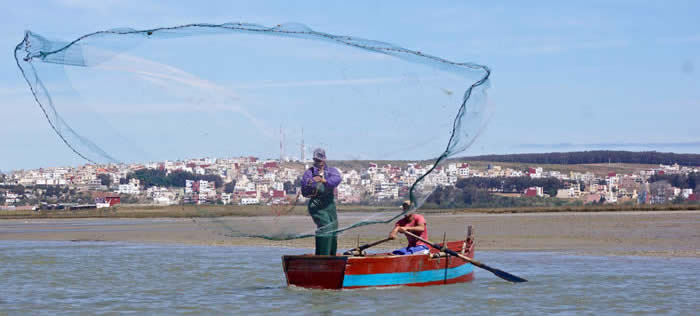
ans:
(94, 277)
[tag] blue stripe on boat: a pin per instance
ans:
(401, 278)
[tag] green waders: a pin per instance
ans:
(322, 210)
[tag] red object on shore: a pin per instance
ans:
(379, 270)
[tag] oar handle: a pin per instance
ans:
(438, 247)
(365, 246)
(499, 273)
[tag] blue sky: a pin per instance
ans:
(566, 76)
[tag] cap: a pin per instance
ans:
(320, 154)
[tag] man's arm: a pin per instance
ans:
(413, 229)
(307, 187)
(333, 179)
(392, 234)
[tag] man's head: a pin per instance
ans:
(319, 157)
(405, 207)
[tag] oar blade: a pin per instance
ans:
(508, 277)
(498, 272)
(502, 274)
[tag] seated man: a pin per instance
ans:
(415, 224)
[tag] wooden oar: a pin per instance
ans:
(365, 246)
(499, 273)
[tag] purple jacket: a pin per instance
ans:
(308, 185)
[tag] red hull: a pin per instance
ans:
(380, 270)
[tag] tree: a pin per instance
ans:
(678, 200)
(150, 177)
(289, 187)
(105, 179)
(229, 187)
(18, 189)
(693, 180)
(598, 156)
(177, 178)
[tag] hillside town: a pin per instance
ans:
(252, 181)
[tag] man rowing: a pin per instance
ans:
(413, 223)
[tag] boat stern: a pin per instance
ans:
(316, 272)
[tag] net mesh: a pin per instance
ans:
(126, 96)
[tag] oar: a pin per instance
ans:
(365, 246)
(499, 273)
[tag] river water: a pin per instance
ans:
(40, 277)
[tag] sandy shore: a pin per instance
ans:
(657, 233)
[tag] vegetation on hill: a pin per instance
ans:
(158, 177)
(691, 180)
(477, 192)
(596, 156)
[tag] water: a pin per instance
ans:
(110, 278)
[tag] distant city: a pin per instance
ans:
(252, 181)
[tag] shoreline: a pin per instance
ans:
(642, 233)
(214, 211)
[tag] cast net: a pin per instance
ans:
(126, 97)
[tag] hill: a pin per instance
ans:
(593, 157)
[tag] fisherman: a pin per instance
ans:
(414, 223)
(318, 184)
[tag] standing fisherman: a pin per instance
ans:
(318, 184)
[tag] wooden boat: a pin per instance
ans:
(380, 270)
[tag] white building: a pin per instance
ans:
(686, 193)
(249, 201)
(131, 188)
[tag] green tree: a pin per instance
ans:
(678, 200)
(18, 189)
(177, 178)
(228, 187)
(105, 179)
(150, 177)
(289, 187)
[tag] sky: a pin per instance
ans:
(622, 75)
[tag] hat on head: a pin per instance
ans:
(320, 154)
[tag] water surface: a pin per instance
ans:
(109, 278)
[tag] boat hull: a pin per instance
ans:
(350, 272)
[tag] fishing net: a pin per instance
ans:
(126, 96)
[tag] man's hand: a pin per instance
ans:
(319, 179)
(392, 235)
(402, 230)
